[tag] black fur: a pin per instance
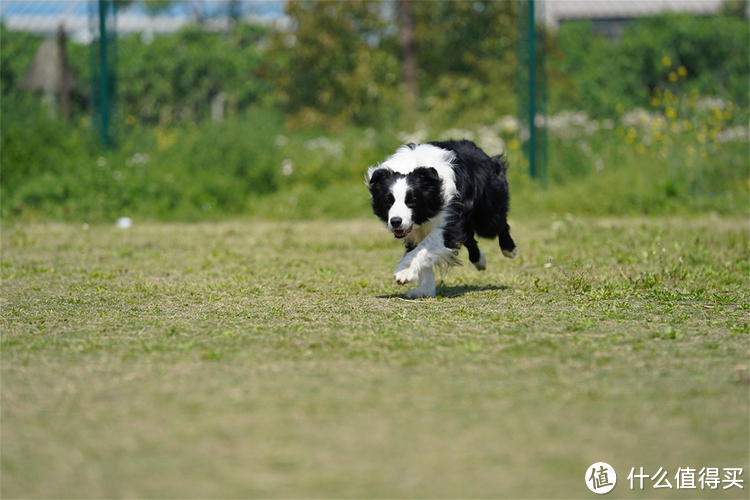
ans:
(424, 197)
(484, 198)
(379, 185)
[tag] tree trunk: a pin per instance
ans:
(63, 82)
(408, 49)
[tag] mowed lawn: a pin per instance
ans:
(264, 359)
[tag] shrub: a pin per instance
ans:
(680, 53)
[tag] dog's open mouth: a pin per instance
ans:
(401, 233)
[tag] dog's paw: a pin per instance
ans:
(511, 254)
(481, 264)
(419, 293)
(405, 275)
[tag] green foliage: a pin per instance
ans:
(158, 172)
(18, 51)
(708, 55)
(166, 79)
(175, 78)
(330, 69)
(307, 110)
(467, 59)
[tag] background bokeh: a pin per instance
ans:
(275, 109)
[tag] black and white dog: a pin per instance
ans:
(437, 196)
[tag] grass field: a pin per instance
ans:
(259, 359)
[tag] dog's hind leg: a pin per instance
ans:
(507, 245)
(476, 256)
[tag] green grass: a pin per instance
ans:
(260, 359)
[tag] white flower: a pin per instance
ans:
(287, 167)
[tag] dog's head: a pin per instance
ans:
(404, 200)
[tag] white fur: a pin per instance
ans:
(399, 208)
(481, 264)
(512, 254)
(426, 286)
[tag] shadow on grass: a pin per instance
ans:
(449, 292)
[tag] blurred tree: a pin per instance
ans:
(682, 53)
(336, 64)
(339, 60)
(737, 8)
(467, 57)
(175, 78)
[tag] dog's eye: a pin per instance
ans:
(390, 199)
(410, 198)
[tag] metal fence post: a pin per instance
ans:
(532, 90)
(103, 74)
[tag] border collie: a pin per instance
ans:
(436, 197)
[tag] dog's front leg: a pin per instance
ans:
(411, 265)
(430, 252)
(426, 286)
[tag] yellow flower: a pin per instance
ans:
(514, 144)
(640, 148)
(672, 76)
(728, 115)
(682, 71)
(619, 108)
(630, 136)
(666, 61)
(653, 101)
(670, 113)
(687, 125)
(165, 139)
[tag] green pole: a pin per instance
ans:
(532, 91)
(103, 72)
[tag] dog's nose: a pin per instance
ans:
(396, 221)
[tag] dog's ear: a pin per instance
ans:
(425, 177)
(379, 177)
